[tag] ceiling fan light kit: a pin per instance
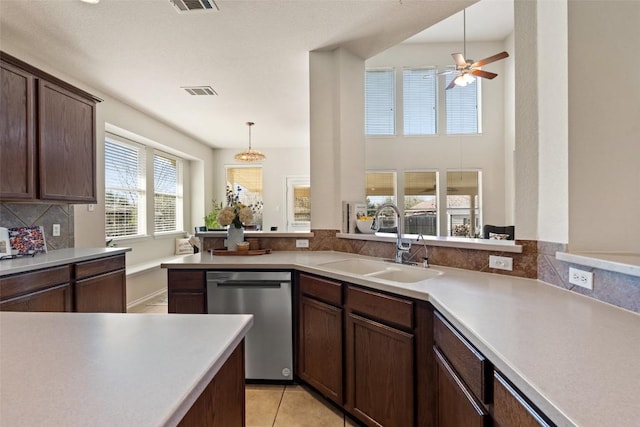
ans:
(250, 155)
(466, 68)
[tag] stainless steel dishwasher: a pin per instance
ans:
(266, 295)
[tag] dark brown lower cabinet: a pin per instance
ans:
(55, 299)
(222, 403)
(320, 347)
(510, 408)
(455, 405)
(379, 360)
(187, 291)
(105, 293)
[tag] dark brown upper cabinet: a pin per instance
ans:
(48, 137)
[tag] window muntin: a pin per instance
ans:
(421, 203)
(462, 107)
(167, 193)
(419, 94)
(245, 182)
(379, 102)
(464, 210)
(125, 189)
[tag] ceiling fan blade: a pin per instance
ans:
(485, 74)
(452, 84)
(489, 60)
(459, 59)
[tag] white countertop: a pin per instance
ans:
(77, 369)
(575, 357)
(55, 258)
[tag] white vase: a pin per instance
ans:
(234, 236)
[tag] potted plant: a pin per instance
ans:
(211, 219)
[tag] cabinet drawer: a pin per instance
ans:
(187, 280)
(322, 289)
(99, 266)
(381, 307)
(54, 299)
(21, 284)
(472, 367)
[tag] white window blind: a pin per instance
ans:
(419, 101)
(167, 187)
(379, 102)
(124, 189)
(462, 104)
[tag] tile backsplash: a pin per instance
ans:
(34, 214)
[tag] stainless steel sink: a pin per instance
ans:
(381, 270)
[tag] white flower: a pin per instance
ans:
(245, 215)
(226, 216)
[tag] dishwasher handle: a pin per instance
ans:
(248, 284)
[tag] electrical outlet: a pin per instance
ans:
(56, 230)
(581, 278)
(501, 262)
(302, 243)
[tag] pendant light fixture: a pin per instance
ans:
(250, 155)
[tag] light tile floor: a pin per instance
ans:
(273, 405)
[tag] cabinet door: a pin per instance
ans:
(455, 406)
(67, 145)
(17, 128)
(54, 299)
(510, 408)
(187, 291)
(380, 387)
(105, 293)
(320, 347)
(187, 302)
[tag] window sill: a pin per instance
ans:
(451, 242)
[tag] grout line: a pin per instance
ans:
(279, 403)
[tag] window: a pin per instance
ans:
(167, 193)
(245, 183)
(379, 102)
(464, 203)
(462, 105)
(298, 203)
(380, 189)
(421, 203)
(125, 184)
(419, 101)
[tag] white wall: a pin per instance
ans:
(280, 163)
(444, 152)
(604, 126)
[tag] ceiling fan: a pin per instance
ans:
(466, 68)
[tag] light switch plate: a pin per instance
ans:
(501, 262)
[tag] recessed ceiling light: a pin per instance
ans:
(91, 1)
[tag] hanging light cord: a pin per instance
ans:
(250, 124)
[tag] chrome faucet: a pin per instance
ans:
(402, 246)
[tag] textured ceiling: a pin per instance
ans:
(254, 53)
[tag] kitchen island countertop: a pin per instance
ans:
(576, 358)
(78, 369)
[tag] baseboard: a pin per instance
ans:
(145, 298)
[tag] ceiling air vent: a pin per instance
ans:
(200, 90)
(194, 5)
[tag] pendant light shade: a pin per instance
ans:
(250, 155)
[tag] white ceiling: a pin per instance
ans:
(254, 53)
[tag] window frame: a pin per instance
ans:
(405, 100)
(393, 103)
(477, 84)
(179, 195)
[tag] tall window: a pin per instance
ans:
(419, 87)
(246, 184)
(464, 203)
(381, 188)
(421, 203)
(298, 203)
(379, 102)
(462, 105)
(167, 197)
(125, 183)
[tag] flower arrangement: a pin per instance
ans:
(235, 212)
